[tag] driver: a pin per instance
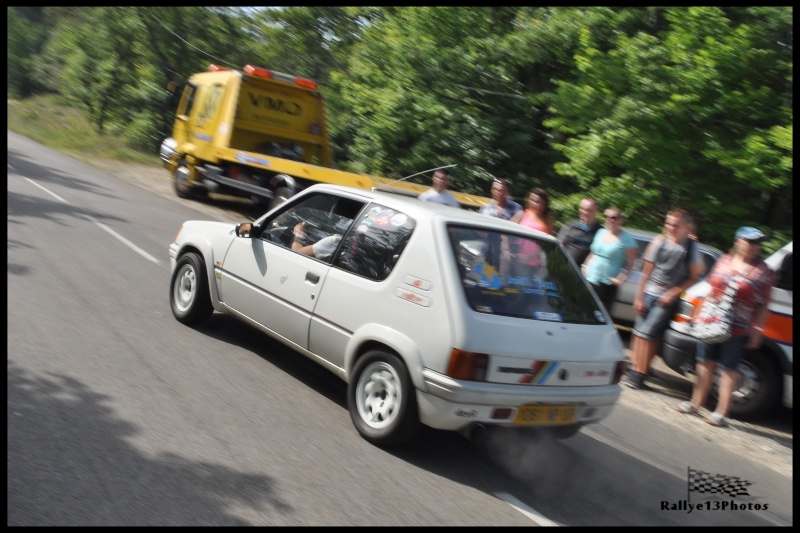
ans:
(322, 249)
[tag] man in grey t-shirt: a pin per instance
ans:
(439, 194)
(666, 273)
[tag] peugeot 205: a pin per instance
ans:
(432, 315)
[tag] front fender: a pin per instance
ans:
(211, 245)
(378, 335)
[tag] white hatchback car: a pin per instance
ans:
(432, 315)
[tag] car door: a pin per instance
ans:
(265, 280)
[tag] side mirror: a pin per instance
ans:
(248, 230)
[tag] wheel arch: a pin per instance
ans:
(777, 353)
(206, 252)
(374, 336)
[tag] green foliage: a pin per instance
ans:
(665, 119)
(642, 107)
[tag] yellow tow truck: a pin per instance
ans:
(260, 134)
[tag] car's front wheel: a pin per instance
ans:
(381, 399)
(759, 386)
(189, 292)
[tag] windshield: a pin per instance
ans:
(506, 274)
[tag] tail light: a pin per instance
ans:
(469, 366)
(216, 68)
(686, 308)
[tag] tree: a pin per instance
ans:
(666, 118)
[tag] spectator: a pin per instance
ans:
(537, 214)
(671, 264)
(438, 193)
(501, 206)
(755, 281)
(577, 235)
(612, 256)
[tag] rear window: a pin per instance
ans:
(510, 275)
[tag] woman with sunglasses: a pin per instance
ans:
(754, 280)
(612, 255)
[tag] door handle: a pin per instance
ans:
(313, 278)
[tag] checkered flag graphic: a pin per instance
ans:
(704, 482)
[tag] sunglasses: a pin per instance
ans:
(613, 217)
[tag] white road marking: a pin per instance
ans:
(122, 239)
(527, 511)
(51, 193)
(125, 241)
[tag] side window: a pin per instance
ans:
(187, 100)
(324, 215)
(783, 277)
(709, 260)
(374, 245)
(640, 247)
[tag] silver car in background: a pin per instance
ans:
(622, 312)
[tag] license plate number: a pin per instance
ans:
(549, 415)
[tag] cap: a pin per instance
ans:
(750, 234)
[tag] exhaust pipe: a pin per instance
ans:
(476, 432)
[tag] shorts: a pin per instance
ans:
(606, 293)
(726, 354)
(656, 318)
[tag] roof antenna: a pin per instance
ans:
(411, 176)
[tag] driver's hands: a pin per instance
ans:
(300, 231)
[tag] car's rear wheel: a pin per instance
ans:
(381, 399)
(189, 292)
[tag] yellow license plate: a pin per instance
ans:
(545, 415)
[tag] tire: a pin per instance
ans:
(759, 387)
(279, 196)
(189, 295)
(182, 174)
(382, 400)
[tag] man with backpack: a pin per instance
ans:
(671, 264)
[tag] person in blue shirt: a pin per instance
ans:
(611, 257)
(501, 206)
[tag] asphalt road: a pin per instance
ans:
(119, 415)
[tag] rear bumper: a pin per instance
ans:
(453, 405)
(678, 350)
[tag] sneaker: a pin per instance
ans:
(634, 380)
(687, 408)
(716, 419)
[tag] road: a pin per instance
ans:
(119, 415)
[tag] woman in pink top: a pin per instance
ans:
(536, 215)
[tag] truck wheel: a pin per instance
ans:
(279, 196)
(188, 290)
(759, 386)
(182, 174)
(381, 399)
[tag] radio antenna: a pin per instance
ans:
(412, 175)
